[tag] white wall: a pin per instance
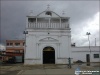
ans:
(79, 53)
(37, 40)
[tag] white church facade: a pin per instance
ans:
(49, 39)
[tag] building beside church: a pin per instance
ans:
(49, 40)
(85, 54)
(15, 49)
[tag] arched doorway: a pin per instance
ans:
(48, 55)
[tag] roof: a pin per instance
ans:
(86, 48)
(15, 40)
(46, 13)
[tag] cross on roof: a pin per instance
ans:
(63, 12)
(48, 7)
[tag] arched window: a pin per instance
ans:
(48, 13)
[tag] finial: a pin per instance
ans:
(31, 12)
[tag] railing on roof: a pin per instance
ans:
(48, 25)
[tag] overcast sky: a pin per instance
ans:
(84, 17)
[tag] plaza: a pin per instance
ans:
(51, 69)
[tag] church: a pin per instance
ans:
(48, 40)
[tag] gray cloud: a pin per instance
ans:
(13, 16)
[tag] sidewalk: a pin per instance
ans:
(54, 70)
(47, 72)
(49, 69)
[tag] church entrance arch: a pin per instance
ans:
(48, 55)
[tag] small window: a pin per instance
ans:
(23, 43)
(11, 44)
(17, 51)
(96, 55)
(7, 44)
(48, 13)
(31, 19)
(17, 44)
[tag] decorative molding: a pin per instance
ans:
(51, 30)
(85, 51)
(63, 58)
(48, 43)
(49, 39)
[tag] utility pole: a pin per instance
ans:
(88, 33)
(95, 41)
(25, 32)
